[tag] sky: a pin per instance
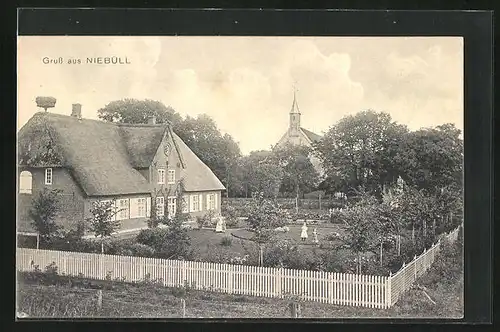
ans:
(246, 84)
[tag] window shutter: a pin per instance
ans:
(201, 202)
(133, 208)
(208, 202)
(148, 207)
(216, 207)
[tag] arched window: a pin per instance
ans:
(25, 182)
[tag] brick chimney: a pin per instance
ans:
(152, 119)
(76, 111)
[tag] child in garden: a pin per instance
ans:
(315, 236)
(303, 234)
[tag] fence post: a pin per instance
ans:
(184, 281)
(330, 287)
(388, 291)
(415, 267)
(183, 303)
(277, 283)
(99, 299)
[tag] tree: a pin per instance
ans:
(101, 223)
(265, 215)
(299, 174)
(432, 158)
(43, 211)
(262, 174)
(359, 151)
(138, 111)
(219, 152)
(360, 231)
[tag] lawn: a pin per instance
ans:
(206, 241)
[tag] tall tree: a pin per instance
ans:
(299, 176)
(219, 152)
(262, 174)
(359, 151)
(432, 158)
(138, 111)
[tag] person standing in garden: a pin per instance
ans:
(315, 236)
(303, 234)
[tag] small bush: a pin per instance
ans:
(51, 268)
(226, 241)
(231, 215)
(142, 250)
(148, 236)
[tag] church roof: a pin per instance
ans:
(312, 136)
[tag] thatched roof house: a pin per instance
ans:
(97, 160)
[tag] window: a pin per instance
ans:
(171, 176)
(141, 207)
(172, 208)
(185, 204)
(195, 203)
(160, 206)
(25, 182)
(123, 209)
(211, 202)
(161, 176)
(48, 176)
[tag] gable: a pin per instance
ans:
(197, 176)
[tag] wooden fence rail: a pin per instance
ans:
(334, 288)
(404, 279)
(326, 287)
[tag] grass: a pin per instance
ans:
(443, 283)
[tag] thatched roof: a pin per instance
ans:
(141, 141)
(197, 176)
(103, 157)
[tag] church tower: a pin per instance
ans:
(294, 117)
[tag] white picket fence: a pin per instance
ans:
(404, 279)
(326, 287)
(334, 288)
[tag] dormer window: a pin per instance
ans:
(48, 176)
(161, 176)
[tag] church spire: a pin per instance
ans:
(294, 115)
(295, 106)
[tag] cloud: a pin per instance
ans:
(246, 83)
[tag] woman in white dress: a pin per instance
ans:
(303, 234)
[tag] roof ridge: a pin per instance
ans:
(118, 124)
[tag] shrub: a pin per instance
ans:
(231, 215)
(142, 250)
(217, 254)
(205, 220)
(226, 241)
(43, 212)
(148, 236)
(337, 260)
